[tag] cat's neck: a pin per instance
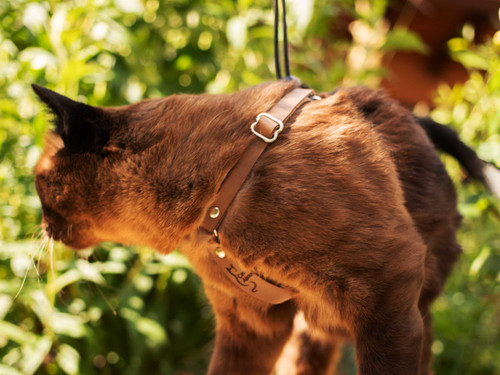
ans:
(216, 131)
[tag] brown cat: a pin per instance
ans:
(351, 209)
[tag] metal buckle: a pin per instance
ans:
(276, 132)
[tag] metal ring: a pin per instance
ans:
(276, 132)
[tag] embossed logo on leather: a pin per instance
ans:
(243, 278)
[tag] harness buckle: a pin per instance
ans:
(276, 132)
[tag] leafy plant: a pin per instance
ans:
(472, 299)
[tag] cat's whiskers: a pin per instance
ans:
(39, 237)
(43, 247)
(86, 256)
(51, 257)
(105, 299)
(37, 233)
(22, 283)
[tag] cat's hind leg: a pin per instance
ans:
(309, 352)
(442, 254)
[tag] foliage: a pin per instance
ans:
(120, 313)
(472, 300)
(130, 311)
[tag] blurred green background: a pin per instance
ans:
(116, 310)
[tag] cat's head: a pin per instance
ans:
(73, 176)
(97, 174)
(142, 173)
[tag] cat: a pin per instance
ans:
(350, 208)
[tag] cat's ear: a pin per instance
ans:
(83, 128)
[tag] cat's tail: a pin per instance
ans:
(446, 140)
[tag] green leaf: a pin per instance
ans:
(471, 60)
(66, 324)
(237, 32)
(401, 39)
(302, 12)
(10, 250)
(5, 304)
(8, 370)
(34, 354)
(110, 267)
(67, 278)
(15, 333)
(175, 259)
(38, 58)
(479, 261)
(148, 327)
(68, 359)
(89, 272)
(41, 305)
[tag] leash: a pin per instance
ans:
(276, 40)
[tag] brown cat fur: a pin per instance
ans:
(351, 207)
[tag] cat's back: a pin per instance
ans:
(429, 193)
(353, 157)
(329, 175)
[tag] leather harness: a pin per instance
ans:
(266, 128)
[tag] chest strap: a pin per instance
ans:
(266, 128)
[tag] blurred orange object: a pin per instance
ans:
(414, 77)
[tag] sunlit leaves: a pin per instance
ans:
(401, 39)
(68, 359)
(473, 109)
(237, 32)
(148, 327)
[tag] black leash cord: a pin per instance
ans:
(276, 40)
(285, 40)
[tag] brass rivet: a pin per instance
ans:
(214, 212)
(220, 253)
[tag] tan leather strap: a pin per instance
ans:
(266, 129)
(249, 282)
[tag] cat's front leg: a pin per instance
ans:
(250, 335)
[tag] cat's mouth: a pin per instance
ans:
(62, 235)
(55, 234)
(67, 235)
